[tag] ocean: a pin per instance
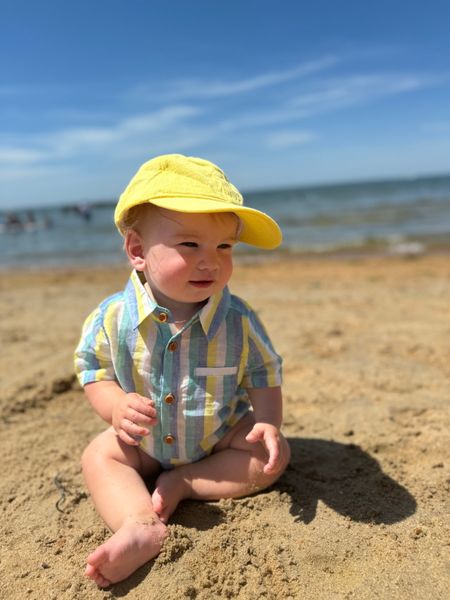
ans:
(405, 216)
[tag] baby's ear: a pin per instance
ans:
(135, 250)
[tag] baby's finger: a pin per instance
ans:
(139, 418)
(273, 448)
(255, 435)
(128, 439)
(144, 405)
(133, 428)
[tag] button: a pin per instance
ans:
(169, 439)
(169, 399)
(162, 317)
(172, 346)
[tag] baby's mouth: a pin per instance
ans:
(203, 283)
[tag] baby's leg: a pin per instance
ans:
(114, 474)
(234, 469)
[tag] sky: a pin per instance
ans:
(278, 93)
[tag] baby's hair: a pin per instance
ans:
(135, 216)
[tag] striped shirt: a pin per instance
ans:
(197, 376)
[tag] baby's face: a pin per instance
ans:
(188, 257)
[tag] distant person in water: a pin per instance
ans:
(30, 223)
(183, 371)
(13, 223)
(84, 210)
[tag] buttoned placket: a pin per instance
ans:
(168, 400)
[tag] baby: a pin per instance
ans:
(182, 370)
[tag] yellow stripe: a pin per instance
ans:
(88, 322)
(208, 420)
(141, 307)
(208, 317)
(139, 354)
(268, 358)
(244, 353)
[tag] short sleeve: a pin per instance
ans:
(263, 367)
(93, 361)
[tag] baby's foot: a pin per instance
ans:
(135, 543)
(170, 489)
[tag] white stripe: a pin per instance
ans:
(215, 371)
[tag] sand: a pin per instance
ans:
(362, 511)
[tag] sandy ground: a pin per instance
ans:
(363, 510)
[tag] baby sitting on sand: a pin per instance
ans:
(182, 370)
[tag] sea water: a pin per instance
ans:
(410, 215)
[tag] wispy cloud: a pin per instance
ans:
(26, 173)
(220, 88)
(70, 142)
(331, 95)
(19, 156)
(335, 94)
(289, 138)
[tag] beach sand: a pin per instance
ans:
(362, 511)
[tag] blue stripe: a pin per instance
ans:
(127, 337)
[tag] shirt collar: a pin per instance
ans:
(138, 302)
(214, 312)
(141, 305)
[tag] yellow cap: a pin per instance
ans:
(194, 185)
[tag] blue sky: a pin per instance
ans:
(277, 93)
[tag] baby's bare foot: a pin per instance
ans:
(135, 543)
(170, 489)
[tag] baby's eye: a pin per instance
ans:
(189, 244)
(225, 246)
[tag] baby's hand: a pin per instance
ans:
(269, 436)
(130, 415)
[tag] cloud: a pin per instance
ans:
(70, 141)
(329, 96)
(340, 93)
(84, 141)
(210, 88)
(19, 156)
(287, 139)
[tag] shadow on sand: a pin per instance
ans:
(346, 479)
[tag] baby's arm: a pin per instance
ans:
(267, 409)
(129, 414)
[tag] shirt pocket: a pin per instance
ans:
(212, 392)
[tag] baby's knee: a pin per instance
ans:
(97, 450)
(89, 456)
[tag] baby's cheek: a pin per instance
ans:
(227, 268)
(172, 269)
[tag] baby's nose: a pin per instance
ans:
(208, 261)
